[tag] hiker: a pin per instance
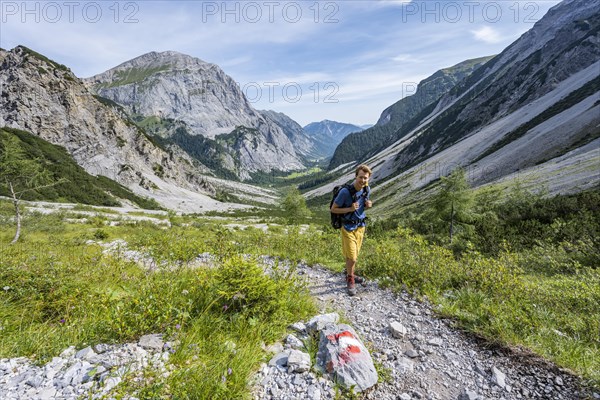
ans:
(352, 200)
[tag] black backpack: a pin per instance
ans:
(337, 220)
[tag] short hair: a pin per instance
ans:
(364, 168)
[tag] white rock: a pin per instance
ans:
(397, 329)
(298, 327)
(498, 377)
(404, 365)
(280, 359)
(152, 342)
(274, 348)
(298, 361)
(318, 323)
(293, 342)
(85, 353)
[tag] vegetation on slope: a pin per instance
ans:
(521, 270)
(80, 187)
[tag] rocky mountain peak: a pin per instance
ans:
(152, 63)
(203, 101)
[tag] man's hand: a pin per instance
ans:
(355, 206)
(368, 204)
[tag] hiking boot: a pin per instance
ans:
(350, 285)
(359, 279)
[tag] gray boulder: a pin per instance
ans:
(317, 323)
(298, 361)
(151, 342)
(343, 355)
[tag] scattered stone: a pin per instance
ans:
(85, 353)
(467, 394)
(314, 392)
(411, 353)
(405, 366)
(397, 329)
(558, 380)
(75, 374)
(435, 341)
(274, 348)
(298, 361)
(280, 359)
(293, 342)
(317, 323)
(298, 327)
(152, 342)
(101, 348)
(498, 377)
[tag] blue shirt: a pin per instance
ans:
(344, 200)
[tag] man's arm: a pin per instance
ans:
(337, 210)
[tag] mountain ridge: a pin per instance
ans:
(394, 120)
(516, 116)
(205, 100)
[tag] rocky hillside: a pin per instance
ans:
(391, 124)
(306, 146)
(530, 113)
(329, 134)
(209, 103)
(46, 99)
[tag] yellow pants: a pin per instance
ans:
(351, 242)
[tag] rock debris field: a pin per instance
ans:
(417, 356)
(426, 358)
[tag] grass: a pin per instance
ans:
(70, 293)
(503, 299)
(539, 298)
(132, 75)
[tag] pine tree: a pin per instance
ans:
(453, 203)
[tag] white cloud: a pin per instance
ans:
(370, 52)
(488, 35)
(406, 58)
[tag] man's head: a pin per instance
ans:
(363, 173)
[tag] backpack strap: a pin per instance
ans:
(352, 191)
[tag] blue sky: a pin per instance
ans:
(313, 60)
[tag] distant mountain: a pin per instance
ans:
(328, 134)
(367, 126)
(305, 145)
(184, 97)
(386, 131)
(530, 114)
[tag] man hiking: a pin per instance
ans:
(352, 201)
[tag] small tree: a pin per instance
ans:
(454, 200)
(294, 206)
(21, 175)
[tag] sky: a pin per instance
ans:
(313, 60)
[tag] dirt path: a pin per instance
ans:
(433, 360)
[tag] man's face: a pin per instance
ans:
(362, 178)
